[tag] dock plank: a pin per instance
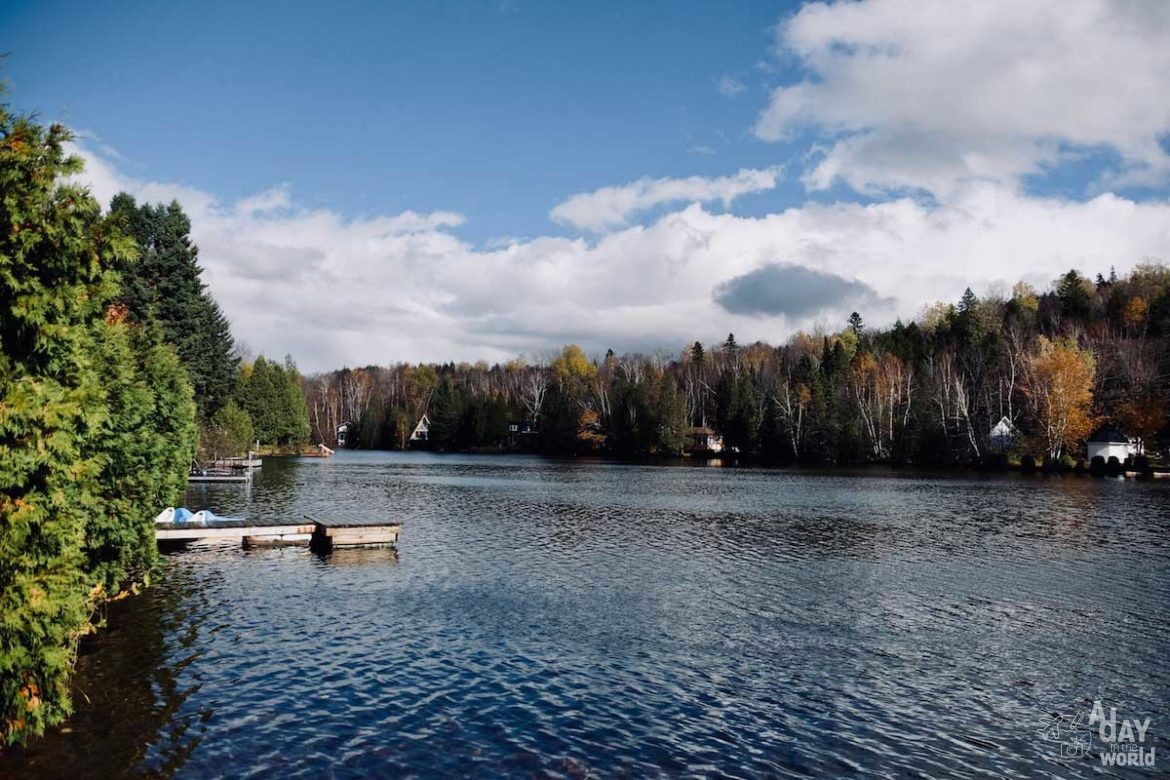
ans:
(232, 522)
(234, 531)
(350, 520)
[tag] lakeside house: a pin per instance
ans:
(520, 432)
(702, 440)
(1002, 435)
(342, 434)
(1108, 442)
(422, 431)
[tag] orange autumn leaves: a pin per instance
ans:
(1059, 384)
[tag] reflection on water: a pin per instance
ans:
(592, 618)
(358, 556)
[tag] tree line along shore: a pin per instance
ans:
(1025, 376)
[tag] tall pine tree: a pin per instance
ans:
(165, 286)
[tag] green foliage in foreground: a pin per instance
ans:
(96, 424)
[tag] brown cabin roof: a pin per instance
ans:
(703, 431)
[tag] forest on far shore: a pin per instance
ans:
(1055, 363)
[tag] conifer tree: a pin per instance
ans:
(89, 436)
(855, 324)
(54, 256)
(295, 415)
(165, 285)
(271, 395)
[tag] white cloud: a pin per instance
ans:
(275, 199)
(922, 94)
(333, 291)
(611, 207)
(729, 86)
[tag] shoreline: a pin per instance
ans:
(755, 462)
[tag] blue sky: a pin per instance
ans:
(373, 182)
(495, 110)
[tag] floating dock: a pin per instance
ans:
(324, 533)
(236, 477)
(237, 463)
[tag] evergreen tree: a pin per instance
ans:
(259, 396)
(968, 302)
(697, 353)
(294, 414)
(230, 432)
(272, 396)
(446, 414)
(855, 324)
(145, 447)
(53, 276)
(631, 425)
(743, 431)
(1073, 295)
(165, 286)
(726, 400)
(82, 419)
(559, 422)
(670, 417)
(774, 433)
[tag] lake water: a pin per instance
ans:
(595, 619)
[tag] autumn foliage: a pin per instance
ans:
(1060, 386)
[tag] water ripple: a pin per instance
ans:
(590, 619)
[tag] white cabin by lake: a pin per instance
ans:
(1002, 435)
(422, 431)
(1108, 442)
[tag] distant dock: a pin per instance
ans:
(237, 469)
(219, 477)
(324, 533)
(237, 463)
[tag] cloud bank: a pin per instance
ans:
(931, 95)
(333, 291)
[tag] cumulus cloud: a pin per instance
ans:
(334, 291)
(780, 289)
(933, 95)
(611, 207)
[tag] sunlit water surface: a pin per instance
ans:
(573, 618)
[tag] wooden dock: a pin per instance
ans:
(324, 533)
(347, 530)
(237, 463)
(245, 477)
